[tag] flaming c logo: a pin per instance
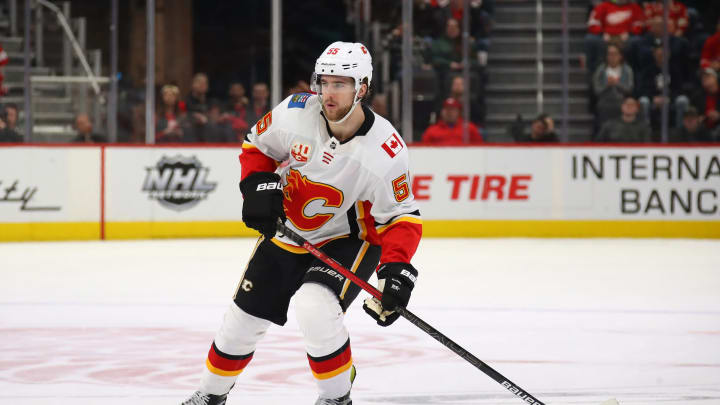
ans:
(300, 192)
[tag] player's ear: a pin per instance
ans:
(364, 88)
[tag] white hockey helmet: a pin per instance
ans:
(351, 59)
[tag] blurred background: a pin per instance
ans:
(445, 71)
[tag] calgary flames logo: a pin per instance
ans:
(300, 192)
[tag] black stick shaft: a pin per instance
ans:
(412, 318)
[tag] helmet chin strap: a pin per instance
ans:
(349, 113)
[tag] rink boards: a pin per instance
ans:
(121, 192)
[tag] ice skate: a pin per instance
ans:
(201, 398)
(343, 400)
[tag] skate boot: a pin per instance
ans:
(343, 400)
(201, 398)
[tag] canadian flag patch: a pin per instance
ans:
(393, 145)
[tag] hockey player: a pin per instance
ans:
(344, 186)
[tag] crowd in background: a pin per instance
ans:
(624, 55)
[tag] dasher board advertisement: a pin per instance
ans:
(49, 193)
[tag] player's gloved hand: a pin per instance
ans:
(396, 281)
(263, 205)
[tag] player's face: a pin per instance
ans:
(338, 94)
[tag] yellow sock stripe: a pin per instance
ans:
(331, 374)
(223, 373)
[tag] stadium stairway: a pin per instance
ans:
(53, 105)
(513, 72)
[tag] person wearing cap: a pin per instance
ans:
(449, 129)
(707, 99)
(691, 130)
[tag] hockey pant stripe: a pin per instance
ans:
(333, 364)
(358, 259)
(226, 365)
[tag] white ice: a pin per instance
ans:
(571, 321)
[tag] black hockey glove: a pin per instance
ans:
(396, 281)
(263, 205)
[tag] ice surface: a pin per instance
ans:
(571, 321)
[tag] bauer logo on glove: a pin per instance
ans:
(396, 281)
(263, 205)
(269, 186)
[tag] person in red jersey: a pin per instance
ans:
(611, 21)
(449, 128)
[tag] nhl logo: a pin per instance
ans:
(178, 183)
(300, 152)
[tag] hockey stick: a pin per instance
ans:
(447, 342)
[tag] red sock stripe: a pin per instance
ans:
(334, 361)
(227, 362)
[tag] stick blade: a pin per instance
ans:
(612, 401)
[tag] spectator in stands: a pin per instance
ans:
(650, 90)
(609, 22)
(237, 110)
(612, 82)
(628, 128)
(447, 56)
(3, 61)
(197, 107)
(219, 127)
(420, 52)
(480, 21)
(691, 130)
(260, 103)
(8, 124)
(710, 57)
(678, 15)
(640, 51)
(84, 128)
(542, 130)
(707, 99)
(170, 120)
(197, 102)
(449, 129)
(477, 101)
(428, 20)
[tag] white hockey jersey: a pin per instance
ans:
(357, 188)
